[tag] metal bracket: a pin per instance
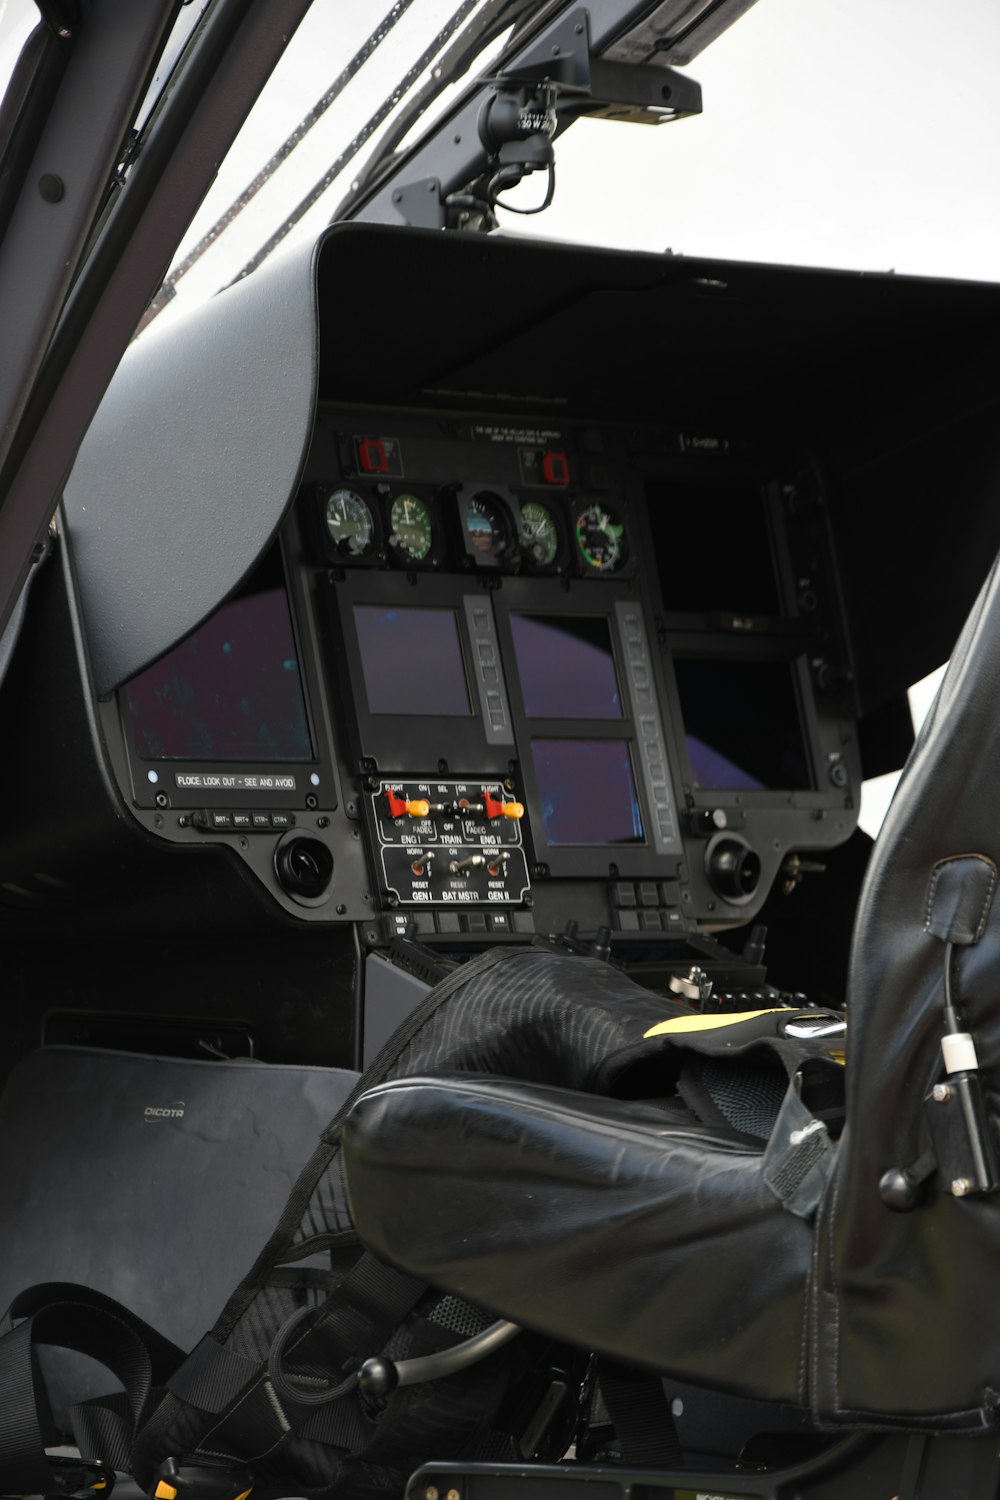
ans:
(639, 93)
(419, 203)
(553, 82)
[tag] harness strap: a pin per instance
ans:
(642, 1417)
(71, 1317)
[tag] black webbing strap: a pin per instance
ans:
(642, 1417)
(70, 1317)
(315, 1394)
(104, 1427)
(211, 1376)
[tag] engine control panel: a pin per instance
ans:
(448, 843)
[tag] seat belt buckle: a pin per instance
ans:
(181, 1481)
(79, 1479)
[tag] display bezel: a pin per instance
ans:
(405, 744)
(589, 598)
(314, 779)
(722, 649)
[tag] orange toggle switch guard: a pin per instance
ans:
(399, 807)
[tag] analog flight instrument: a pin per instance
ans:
(539, 535)
(411, 528)
(350, 524)
(600, 536)
(487, 531)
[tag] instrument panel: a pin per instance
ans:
(504, 674)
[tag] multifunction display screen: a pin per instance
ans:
(412, 661)
(587, 792)
(229, 692)
(742, 725)
(566, 666)
(713, 545)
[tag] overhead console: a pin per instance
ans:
(441, 625)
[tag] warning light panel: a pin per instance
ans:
(380, 456)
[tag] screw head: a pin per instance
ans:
(51, 187)
(432, 1492)
(454, 1495)
(941, 1093)
(961, 1187)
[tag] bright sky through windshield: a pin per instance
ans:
(833, 134)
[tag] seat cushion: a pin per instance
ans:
(603, 1222)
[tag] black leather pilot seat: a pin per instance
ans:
(863, 1288)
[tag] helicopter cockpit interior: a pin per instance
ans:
(430, 592)
(529, 611)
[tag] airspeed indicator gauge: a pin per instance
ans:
(600, 536)
(350, 525)
(411, 529)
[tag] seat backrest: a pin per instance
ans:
(904, 1316)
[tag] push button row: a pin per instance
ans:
(670, 920)
(627, 894)
(218, 821)
(423, 923)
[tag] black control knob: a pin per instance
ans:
(733, 868)
(304, 867)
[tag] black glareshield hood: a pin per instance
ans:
(197, 450)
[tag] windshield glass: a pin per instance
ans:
(825, 140)
(342, 93)
(18, 18)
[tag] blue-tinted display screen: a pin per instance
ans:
(742, 725)
(230, 692)
(412, 661)
(587, 791)
(566, 666)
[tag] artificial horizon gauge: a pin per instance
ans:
(539, 534)
(487, 532)
(411, 528)
(600, 536)
(350, 524)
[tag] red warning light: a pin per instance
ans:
(555, 467)
(372, 457)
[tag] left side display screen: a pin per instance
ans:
(231, 691)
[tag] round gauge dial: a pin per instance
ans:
(539, 534)
(411, 528)
(600, 536)
(350, 524)
(486, 527)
